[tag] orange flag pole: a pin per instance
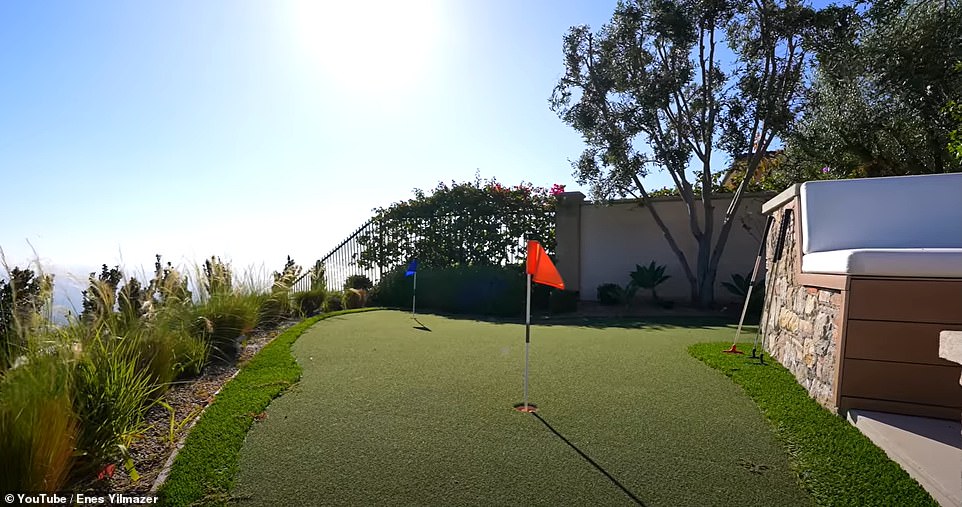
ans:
(527, 342)
(539, 269)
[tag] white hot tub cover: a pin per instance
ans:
(896, 226)
(908, 262)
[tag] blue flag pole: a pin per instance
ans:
(413, 270)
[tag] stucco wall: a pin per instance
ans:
(612, 239)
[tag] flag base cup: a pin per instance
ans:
(529, 409)
(733, 350)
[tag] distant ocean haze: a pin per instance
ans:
(70, 280)
(68, 286)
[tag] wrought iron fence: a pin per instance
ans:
(308, 280)
(380, 245)
(302, 284)
(341, 261)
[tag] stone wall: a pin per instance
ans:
(802, 325)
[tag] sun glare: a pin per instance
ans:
(369, 46)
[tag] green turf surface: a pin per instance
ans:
(205, 468)
(387, 414)
(838, 464)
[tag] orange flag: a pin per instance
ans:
(541, 268)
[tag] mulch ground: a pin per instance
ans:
(188, 398)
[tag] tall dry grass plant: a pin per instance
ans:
(39, 427)
(73, 397)
(111, 395)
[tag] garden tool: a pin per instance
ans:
(776, 256)
(751, 285)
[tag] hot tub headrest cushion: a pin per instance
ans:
(892, 212)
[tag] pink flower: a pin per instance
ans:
(826, 169)
(557, 189)
(107, 472)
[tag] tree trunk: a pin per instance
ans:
(730, 215)
(705, 295)
(706, 287)
(691, 277)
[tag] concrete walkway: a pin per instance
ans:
(930, 450)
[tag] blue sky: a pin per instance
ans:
(254, 130)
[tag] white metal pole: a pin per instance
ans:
(527, 341)
(787, 215)
(751, 283)
(414, 293)
(748, 296)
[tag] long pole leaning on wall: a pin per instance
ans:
(787, 215)
(751, 285)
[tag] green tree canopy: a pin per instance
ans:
(878, 105)
(668, 82)
(23, 297)
(470, 223)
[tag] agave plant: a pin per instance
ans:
(648, 277)
(739, 285)
(611, 294)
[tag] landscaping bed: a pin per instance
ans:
(99, 403)
(152, 450)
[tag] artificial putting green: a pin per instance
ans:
(388, 414)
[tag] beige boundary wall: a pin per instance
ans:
(600, 243)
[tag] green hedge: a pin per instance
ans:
(477, 290)
(563, 301)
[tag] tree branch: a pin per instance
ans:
(684, 187)
(668, 236)
(681, 104)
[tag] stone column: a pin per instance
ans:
(568, 236)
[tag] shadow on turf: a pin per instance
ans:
(664, 322)
(420, 325)
(590, 461)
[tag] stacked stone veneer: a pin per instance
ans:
(802, 325)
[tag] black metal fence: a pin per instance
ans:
(342, 261)
(380, 245)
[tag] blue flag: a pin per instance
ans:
(412, 267)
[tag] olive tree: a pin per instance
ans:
(670, 84)
(883, 98)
